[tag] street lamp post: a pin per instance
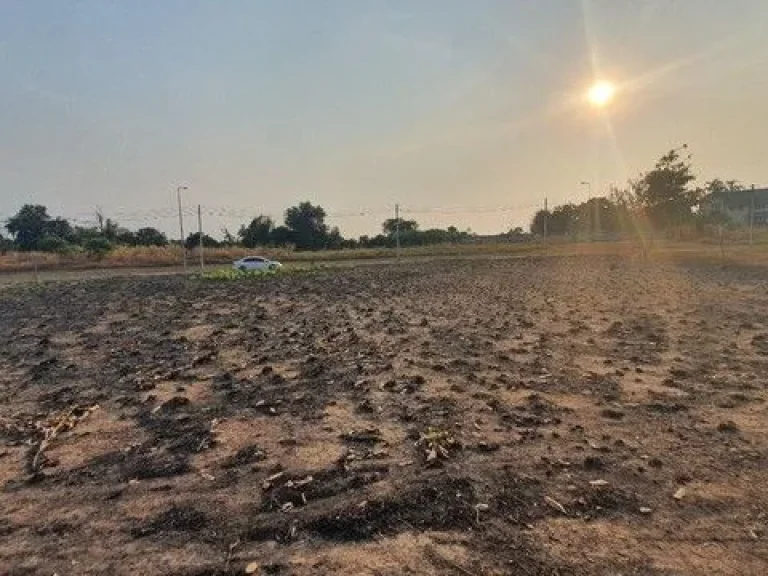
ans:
(181, 225)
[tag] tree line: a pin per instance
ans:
(304, 227)
(663, 198)
(32, 228)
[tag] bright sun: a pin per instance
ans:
(601, 93)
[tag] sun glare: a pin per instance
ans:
(600, 94)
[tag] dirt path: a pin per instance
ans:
(527, 416)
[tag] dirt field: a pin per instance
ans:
(554, 416)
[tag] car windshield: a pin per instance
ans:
(514, 317)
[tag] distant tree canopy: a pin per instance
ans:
(390, 226)
(409, 234)
(304, 228)
(665, 193)
(53, 244)
(597, 215)
(282, 236)
(229, 238)
(257, 233)
(193, 241)
(664, 197)
(517, 234)
(150, 237)
(98, 247)
(33, 229)
(307, 225)
(718, 186)
(29, 226)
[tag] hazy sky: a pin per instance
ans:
(466, 112)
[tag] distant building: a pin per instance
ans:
(737, 205)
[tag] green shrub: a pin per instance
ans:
(231, 274)
(53, 244)
(98, 247)
(224, 274)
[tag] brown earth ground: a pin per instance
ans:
(528, 416)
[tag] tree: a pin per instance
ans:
(61, 228)
(229, 238)
(82, 234)
(53, 244)
(540, 222)
(281, 236)
(108, 227)
(150, 237)
(390, 226)
(124, 237)
(716, 186)
(307, 224)
(98, 247)
(378, 241)
(334, 240)
(28, 226)
(193, 241)
(597, 215)
(258, 232)
(665, 192)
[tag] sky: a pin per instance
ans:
(464, 112)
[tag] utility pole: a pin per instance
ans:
(546, 220)
(397, 231)
(751, 214)
(181, 226)
(200, 235)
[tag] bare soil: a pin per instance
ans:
(557, 416)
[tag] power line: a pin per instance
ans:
(124, 216)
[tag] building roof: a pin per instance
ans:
(739, 199)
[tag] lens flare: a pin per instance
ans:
(601, 93)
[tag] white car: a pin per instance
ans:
(256, 263)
